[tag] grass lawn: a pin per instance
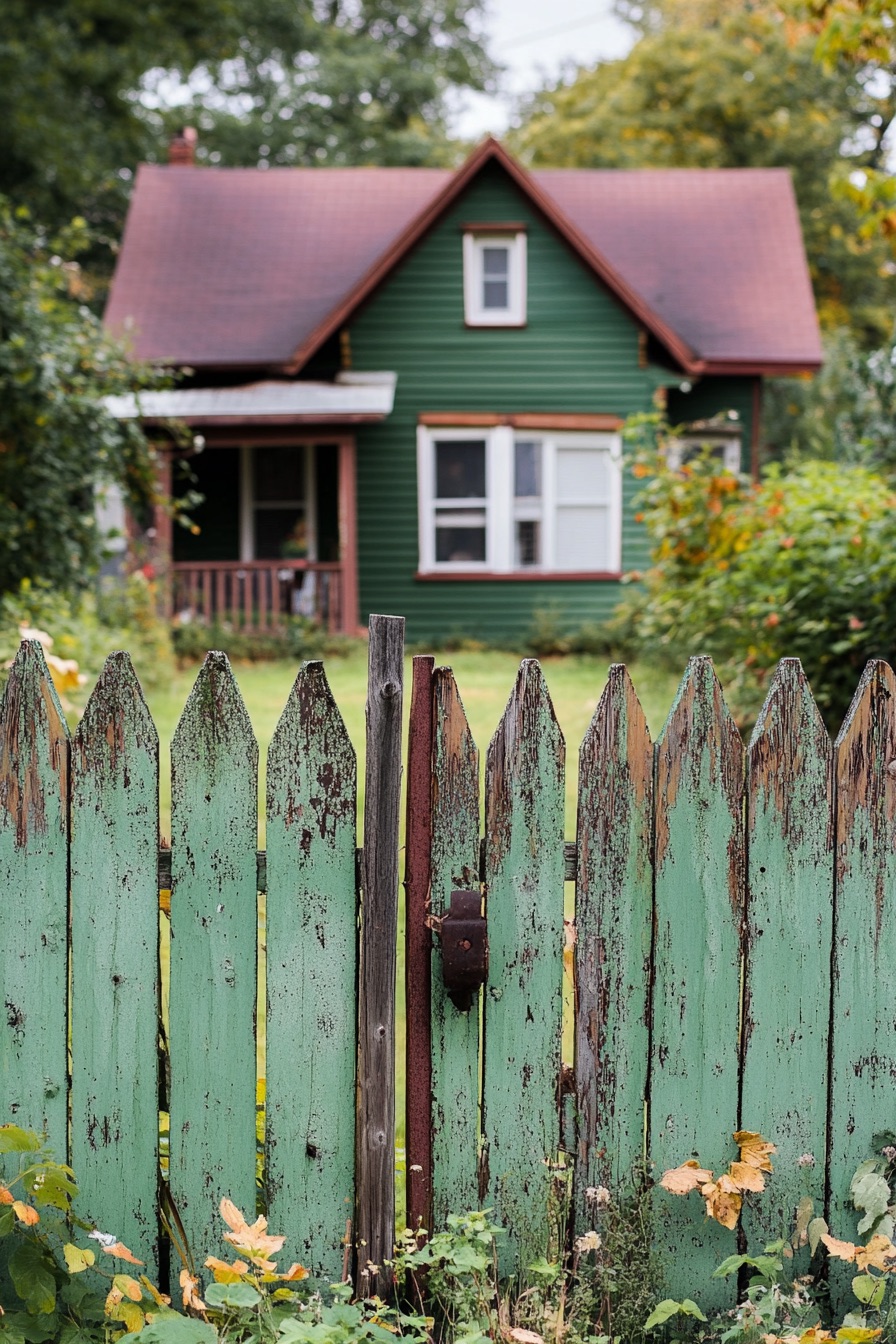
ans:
(484, 679)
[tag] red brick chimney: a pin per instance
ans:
(182, 147)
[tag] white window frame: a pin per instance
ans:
(475, 312)
(500, 505)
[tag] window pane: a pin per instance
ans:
(527, 470)
(583, 473)
(460, 469)
(278, 533)
(279, 474)
(528, 542)
(495, 262)
(583, 539)
(494, 294)
(460, 537)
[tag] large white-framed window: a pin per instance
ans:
(504, 500)
(495, 279)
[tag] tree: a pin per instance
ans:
(712, 85)
(86, 88)
(57, 441)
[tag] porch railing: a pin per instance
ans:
(258, 596)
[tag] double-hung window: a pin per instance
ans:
(503, 500)
(495, 278)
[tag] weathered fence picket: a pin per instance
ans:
(614, 927)
(455, 1035)
(311, 935)
(863, 1028)
(34, 773)
(524, 873)
(734, 956)
(115, 948)
(696, 988)
(787, 989)
(214, 920)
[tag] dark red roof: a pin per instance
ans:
(240, 266)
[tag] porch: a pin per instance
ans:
(258, 596)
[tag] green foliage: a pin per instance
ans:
(550, 634)
(846, 413)
(799, 566)
(710, 84)
(117, 614)
(86, 92)
(58, 443)
(300, 638)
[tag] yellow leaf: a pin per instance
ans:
(754, 1150)
(878, 1254)
(77, 1260)
(746, 1177)
(682, 1180)
(25, 1213)
(857, 1335)
(842, 1250)
(225, 1273)
(121, 1252)
(128, 1287)
(160, 1298)
(132, 1316)
(722, 1205)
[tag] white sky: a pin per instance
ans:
(533, 39)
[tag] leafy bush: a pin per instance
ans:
(299, 638)
(799, 566)
(86, 628)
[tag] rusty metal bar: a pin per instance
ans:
(418, 954)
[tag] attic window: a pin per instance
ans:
(495, 276)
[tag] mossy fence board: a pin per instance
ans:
(735, 920)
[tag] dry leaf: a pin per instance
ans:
(522, 1336)
(746, 1177)
(232, 1216)
(295, 1273)
(754, 1150)
(682, 1180)
(880, 1253)
(722, 1205)
(6, 1196)
(25, 1213)
(190, 1283)
(843, 1250)
(121, 1251)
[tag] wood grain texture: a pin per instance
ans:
(614, 926)
(788, 951)
(696, 997)
(522, 1015)
(375, 1207)
(115, 957)
(311, 929)
(455, 1035)
(214, 835)
(863, 1059)
(418, 949)
(34, 781)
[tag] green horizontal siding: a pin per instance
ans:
(577, 353)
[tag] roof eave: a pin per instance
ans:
(492, 149)
(758, 367)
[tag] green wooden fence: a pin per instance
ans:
(734, 954)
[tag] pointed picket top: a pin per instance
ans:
(524, 874)
(614, 915)
(117, 712)
(789, 755)
(213, 1003)
(866, 769)
(34, 772)
(528, 719)
(787, 979)
(34, 739)
(115, 946)
(311, 735)
(312, 966)
(699, 735)
(214, 716)
(455, 1035)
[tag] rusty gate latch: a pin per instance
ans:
(463, 932)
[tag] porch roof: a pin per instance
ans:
(351, 399)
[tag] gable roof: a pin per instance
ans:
(246, 267)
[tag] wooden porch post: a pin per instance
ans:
(161, 550)
(348, 534)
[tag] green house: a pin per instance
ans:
(405, 387)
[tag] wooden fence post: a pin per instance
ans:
(375, 1218)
